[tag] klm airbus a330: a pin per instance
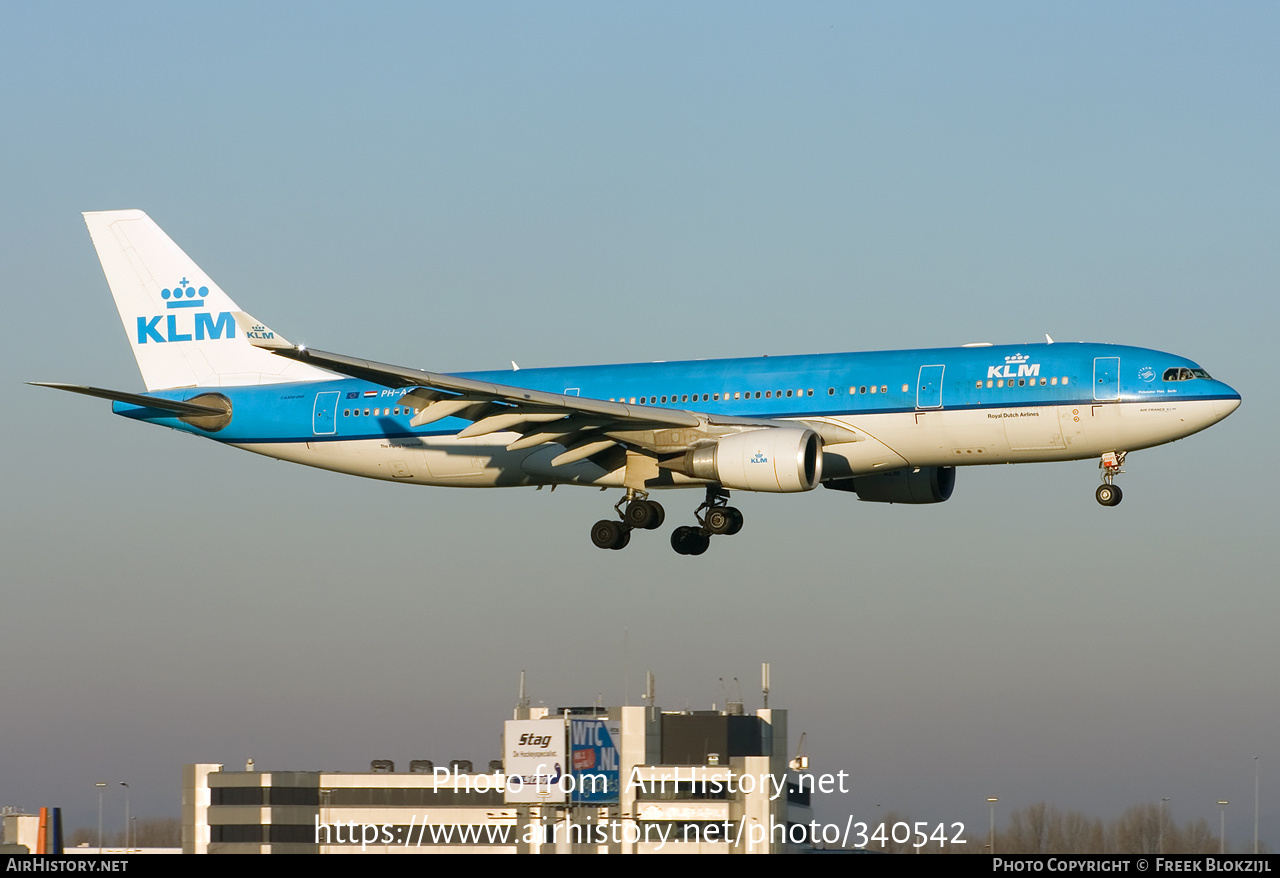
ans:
(888, 426)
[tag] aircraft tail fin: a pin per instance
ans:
(180, 324)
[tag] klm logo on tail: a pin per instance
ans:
(203, 326)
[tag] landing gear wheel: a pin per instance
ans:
(719, 520)
(698, 543)
(1109, 495)
(606, 534)
(737, 520)
(689, 541)
(644, 514)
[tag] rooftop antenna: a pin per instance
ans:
(764, 683)
(522, 706)
(649, 693)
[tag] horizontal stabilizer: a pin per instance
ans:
(138, 399)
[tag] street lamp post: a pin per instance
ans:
(101, 787)
(991, 839)
(1160, 849)
(1255, 805)
(1222, 825)
(126, 814)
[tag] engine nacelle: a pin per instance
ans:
(927, 484)
(777, 460)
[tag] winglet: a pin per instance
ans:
(258, 334)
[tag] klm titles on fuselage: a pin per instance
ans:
(1015, 366)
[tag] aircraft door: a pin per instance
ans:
(929, 387)
(1106, 378)
(324, 417)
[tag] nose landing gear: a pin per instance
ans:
(1111, 463)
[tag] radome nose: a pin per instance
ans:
(1225, 407)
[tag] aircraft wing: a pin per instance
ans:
(584, 427)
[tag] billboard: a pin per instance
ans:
(534, 758)
(595, 762)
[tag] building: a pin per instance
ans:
(681, 782)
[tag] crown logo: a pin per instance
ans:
(1016, 359)
(184, 295)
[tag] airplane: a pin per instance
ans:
(886, 426)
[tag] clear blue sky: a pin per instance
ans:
(454, 186)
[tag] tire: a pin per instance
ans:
(644, 514)
(623, 539)
(605, 533)
(698, 543)
(662, 515)
(736, 515)
(680, 540)
(719, 520)
(1109, 495)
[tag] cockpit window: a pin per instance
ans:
(1182, 373)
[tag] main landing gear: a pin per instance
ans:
(715, 516)
(719, 518)
(641, 514)
(1111, 463)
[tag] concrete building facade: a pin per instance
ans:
(688, 782)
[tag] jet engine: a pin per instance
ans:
(926, 484)
(777, 460)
